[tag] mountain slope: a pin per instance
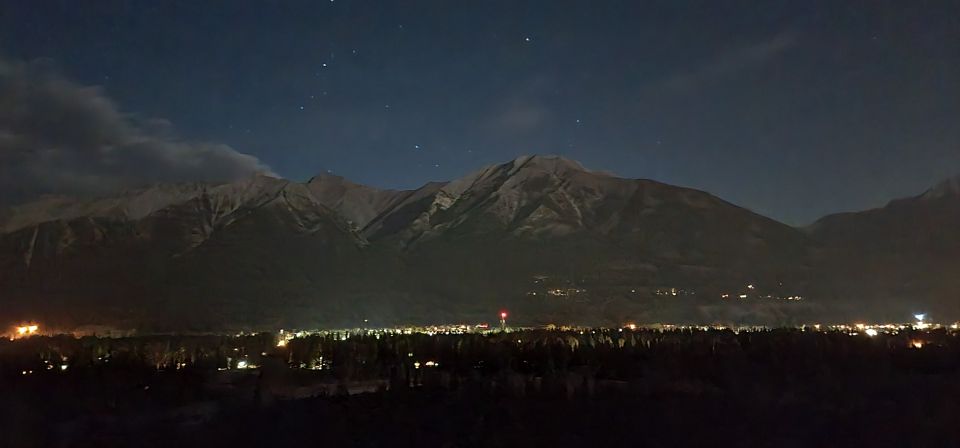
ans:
(204, 249)
(358, 204)
(540, 235)
(490, 234)
(907, 253)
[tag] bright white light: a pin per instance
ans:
(871, 332)
(241, 364)
(63, 367)
(920, 316)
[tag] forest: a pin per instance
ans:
(535, 387)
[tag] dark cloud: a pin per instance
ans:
(60, 137)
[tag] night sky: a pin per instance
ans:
(792, 109)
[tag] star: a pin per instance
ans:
(416, 146)
(526, 39)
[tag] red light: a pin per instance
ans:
(503, 314)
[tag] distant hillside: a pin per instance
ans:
(903, 256)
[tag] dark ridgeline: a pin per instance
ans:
(537, 388)
(270, 253)
(909, 250)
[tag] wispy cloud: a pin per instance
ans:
(520, 110)
(60, 137)
(730, 62)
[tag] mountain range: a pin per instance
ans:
(542, 236)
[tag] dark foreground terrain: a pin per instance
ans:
(531, 388)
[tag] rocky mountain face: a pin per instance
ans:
(539, 224)
(357, 204)
(173, 253)
(540, 235)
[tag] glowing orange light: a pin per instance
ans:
(916, 343)
(27, 329)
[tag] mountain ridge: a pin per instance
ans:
(266, 250)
